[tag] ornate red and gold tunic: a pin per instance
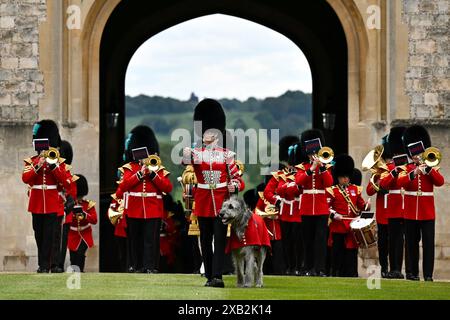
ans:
(82, 230)
(143, 196)
(393, 201)
(339, 204)
(214, 168)
(419, 197)
(256, 234)
(314, 200)
(44, 183)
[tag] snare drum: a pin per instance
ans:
(365, 232)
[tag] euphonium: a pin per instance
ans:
(115, 216)
(325, 155)
(51, 155)
(374, 162)
(432, 156)
(153, 162)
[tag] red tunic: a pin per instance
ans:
(256, 234)
(82, 231)
(341, 206)
(419, 199)
(73, 193)
(290, 195)
(314, 200)
(168, 240)
(214, 169)
(143, 199)
(44, 184)
(393, 202)
(381, 214)
(273, 225)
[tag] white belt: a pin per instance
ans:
(398, 191)
(44, 187)
(212, 186)
(145, 194)
(313, 191)
(419, 193)
(81, 228)
(288, 202)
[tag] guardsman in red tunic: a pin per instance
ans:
(44, 176)
(394, 205)
(84, 216)
(346, 202)
(120, 227)
(419, 180)
(144, 208)
(373, 187)
(313, 178)
(218, 177)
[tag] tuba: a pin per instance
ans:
(432, 156)
(51, 155)
(374, 162)
(325, 155)
(115, 216)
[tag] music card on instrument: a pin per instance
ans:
(367, 214)
(41, 144)
(416, 148)
(400, 160)
(313, 146)
(140, 153)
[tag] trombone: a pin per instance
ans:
(325, 155)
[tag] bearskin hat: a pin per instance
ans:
(211, 114)
(47, 129)
(82, 186)
(395, 140)
(296, 155)
(251, 198)
(386, 152)
(66, 151)
(343, 166)
(141, 136)
(356, 177)
(285, 143)
(310, 135)
(416, 133)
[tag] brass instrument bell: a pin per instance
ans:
(325, 155)
(432, 156)
(51, 155)
(153, 162)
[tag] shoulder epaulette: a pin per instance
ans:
(127, 166)
(360, 189)
(28, 161)
(68, 167)
(328, 166)
(275, 175)
(91, 204)
(330, 190)
(437, 168)
(384, 175)
(261, 195)
(61, 160)
(114, 196)
(75, 178)
(301, 167)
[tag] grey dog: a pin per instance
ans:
(249, 258)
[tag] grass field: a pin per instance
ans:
(190, 287)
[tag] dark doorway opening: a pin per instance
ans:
(312, 25)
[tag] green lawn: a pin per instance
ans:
(190, 287)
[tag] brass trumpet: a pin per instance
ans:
(153, 162)
(325, 155)
(432, 157)
(51, 155)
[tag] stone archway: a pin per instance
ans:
(89, 79)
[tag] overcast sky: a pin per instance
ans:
(218, 56)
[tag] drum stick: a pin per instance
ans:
(367, 205)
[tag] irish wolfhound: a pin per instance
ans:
(249, 241)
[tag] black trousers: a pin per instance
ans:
(212, 228)
(414, 232)
(314, 230)
(44, 231)
(291, 233)
(344, 262)
(62, 254)
(56, 247)
(396, 230)
(383, 246)
(144, 241)
(78, 258)
(122, 247)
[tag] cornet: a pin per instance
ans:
(153, 162)
(51, 155)
(325, 155)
